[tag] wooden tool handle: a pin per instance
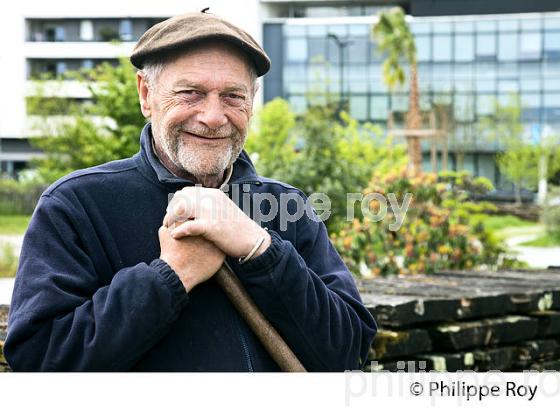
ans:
(269, 337)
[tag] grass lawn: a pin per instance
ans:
(13, 224)
(499, 222)
(544, 241)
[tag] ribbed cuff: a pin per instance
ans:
(171, 279)
(266, 260)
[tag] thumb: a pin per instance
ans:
(192, 227)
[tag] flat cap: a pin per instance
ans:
(180, 32)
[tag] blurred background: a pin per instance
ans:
(457, 102)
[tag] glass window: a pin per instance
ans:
(508, 25)
(59, 33)
(486, 69)
(485, 104)
(420, 28)
(358, 51)
(378, 107)
(298, 103)
(464, 26)
(485, 25)
(87, 64)
(291, 30)
(531, 100)
(530, 69)
(552, 43)
(423, 46)
(399, 102)
(531, 24)
(317, 30)
(508, 46)
(340, 30)
(442, 48)
(552, 83)
(294, 72)
(531, 45)
(317, 47)
(486, 45)
(441, 27)
(443, 98)
(359, 30)
(443, 84)
(86, 30)
(485, 85)
(463, 105)
(358, 107)
(530, 84)
(468, 163)
(464, 84)
(296, 49)
(552, 23)
(60, 67)
(552, 100)
(295, 87)
(509, 70)
(464, 47)
(125, 30)
(551, 69)
(508, 86)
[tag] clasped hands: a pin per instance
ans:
(200, 228)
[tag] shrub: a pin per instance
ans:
(8, 261)
(19, 197)
(441, 229)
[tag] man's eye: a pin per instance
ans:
(235, 99)
(188, 92)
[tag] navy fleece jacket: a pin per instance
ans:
(92, 295)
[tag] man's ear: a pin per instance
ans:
(144, 92)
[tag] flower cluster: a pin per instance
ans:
(442, 228)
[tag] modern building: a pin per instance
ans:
(39, 38)
(466, 63)
(470, 53)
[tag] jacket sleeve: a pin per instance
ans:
(306, 291)
(62, 318)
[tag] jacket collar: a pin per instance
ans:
(148, 163)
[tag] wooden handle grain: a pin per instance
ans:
(269, 337)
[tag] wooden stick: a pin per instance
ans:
(269, 337)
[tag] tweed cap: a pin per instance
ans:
(180, 32)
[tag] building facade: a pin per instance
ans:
(466, 63)
(470, 54)
(41, 39)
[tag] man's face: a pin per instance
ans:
(200, 108)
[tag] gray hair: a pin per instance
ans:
(152, 71)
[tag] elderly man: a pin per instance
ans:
(112, 278)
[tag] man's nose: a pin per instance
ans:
(212, 113)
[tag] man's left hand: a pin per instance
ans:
(209, 212)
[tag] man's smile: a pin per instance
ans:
(196, 137)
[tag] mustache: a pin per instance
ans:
(226, 131)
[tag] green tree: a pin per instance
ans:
(271, 141)
(394, 38)
(520, 158)
(319, 153)
(89, 134)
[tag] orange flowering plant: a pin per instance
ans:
(441, 229)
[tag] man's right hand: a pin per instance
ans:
(193, 258)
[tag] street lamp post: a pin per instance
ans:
(341, 44)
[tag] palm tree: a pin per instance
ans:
(393, 37)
